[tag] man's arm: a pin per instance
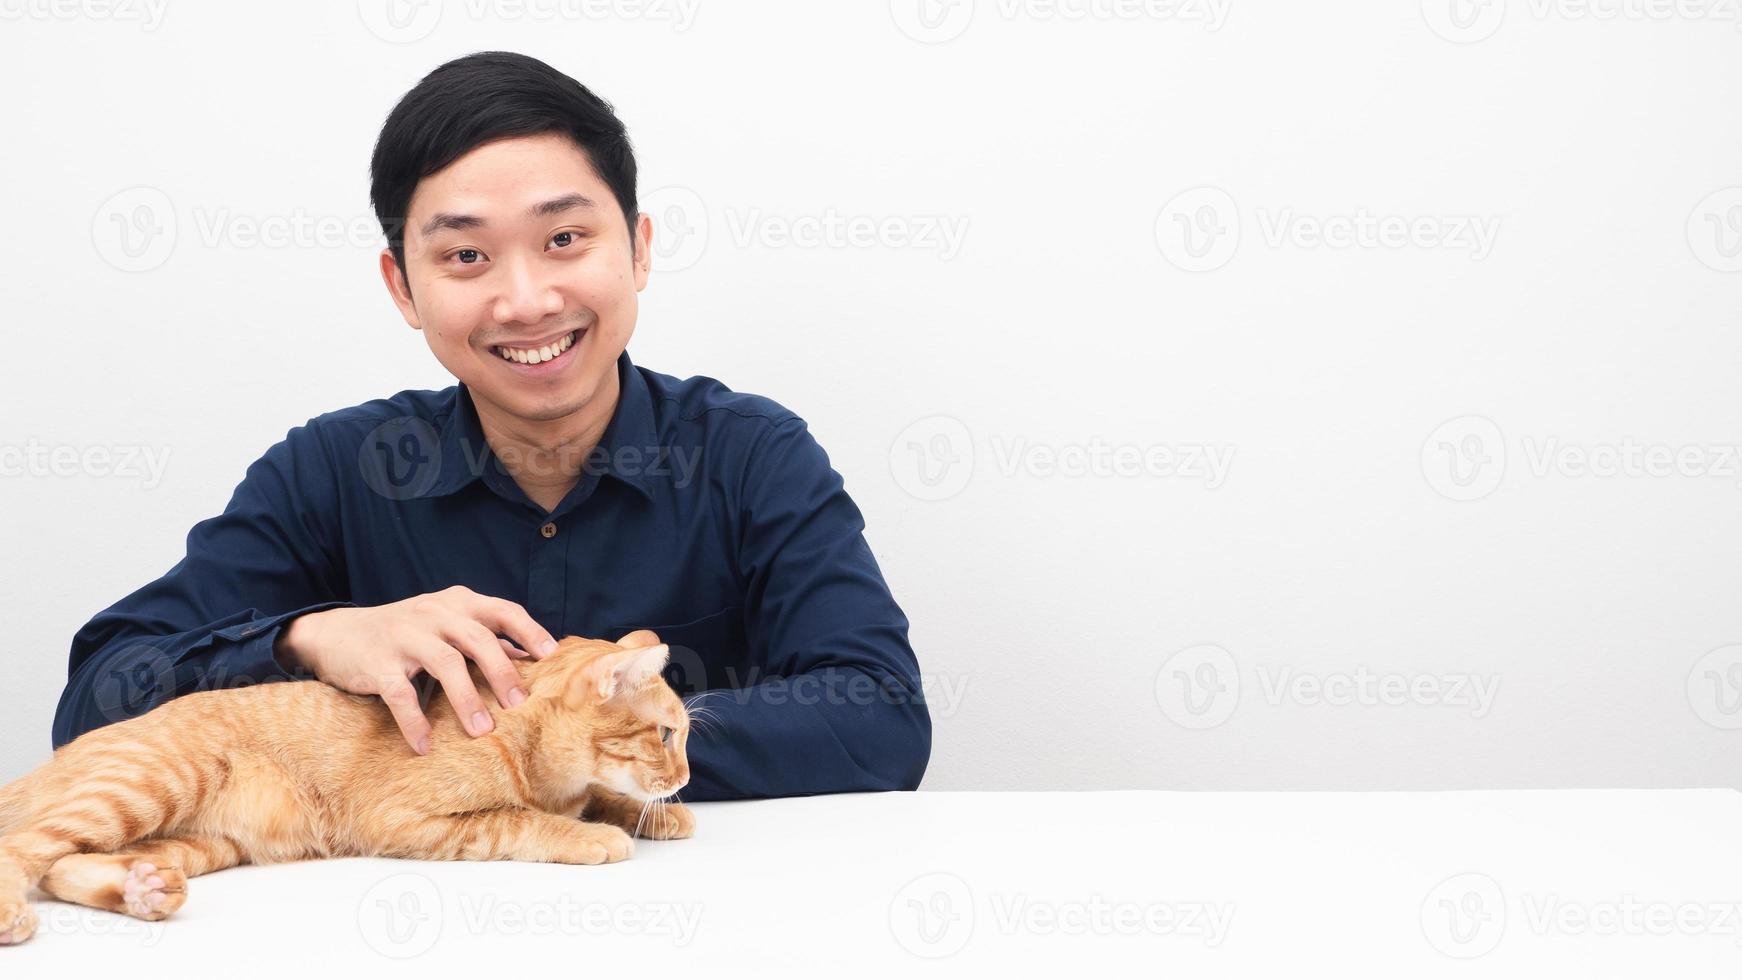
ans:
(839, 707)
(211, 621)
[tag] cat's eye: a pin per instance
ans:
(664, 735)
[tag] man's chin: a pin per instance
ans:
(527, 404)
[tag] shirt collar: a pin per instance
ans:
(621, 453)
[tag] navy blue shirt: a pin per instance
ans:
(709, 516)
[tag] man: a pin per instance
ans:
(557, 489)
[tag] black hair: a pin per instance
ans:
(480, 98)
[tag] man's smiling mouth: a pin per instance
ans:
(538, 355)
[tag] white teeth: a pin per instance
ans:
(538, 356)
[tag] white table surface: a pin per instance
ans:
(1543, 884)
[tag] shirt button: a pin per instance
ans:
(549, 530)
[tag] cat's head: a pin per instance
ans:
(613, 715)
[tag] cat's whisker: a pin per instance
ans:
(690, 703)
(700, 714)
(703, 722)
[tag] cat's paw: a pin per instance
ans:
(17, 921)
(601, 843)
(673, 821)
(153, 893)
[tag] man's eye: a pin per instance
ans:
(468, 256)
(563, 239)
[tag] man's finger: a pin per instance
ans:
(510, 618)
(513, 651)
(401, 699)
(481, 646)
(448, 666)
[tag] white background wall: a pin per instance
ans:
(1116, 630)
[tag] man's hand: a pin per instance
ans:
(378, 650)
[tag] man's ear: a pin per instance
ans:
(642, 244)
(398, 288)
(615, 673)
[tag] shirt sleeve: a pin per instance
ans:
(839, 706)
(211, 621)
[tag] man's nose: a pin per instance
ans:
(527, 296)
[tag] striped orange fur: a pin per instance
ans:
(121, 817)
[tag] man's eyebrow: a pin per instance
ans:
(543, 209)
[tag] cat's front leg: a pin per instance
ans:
(506, 834)
(658, 821)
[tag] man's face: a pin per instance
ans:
(519, 248)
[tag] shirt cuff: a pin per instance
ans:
(251, 659)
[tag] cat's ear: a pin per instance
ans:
(639, 638)
(622, 670)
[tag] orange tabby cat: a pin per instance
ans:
(121, 817)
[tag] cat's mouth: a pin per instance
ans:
(542, 356)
